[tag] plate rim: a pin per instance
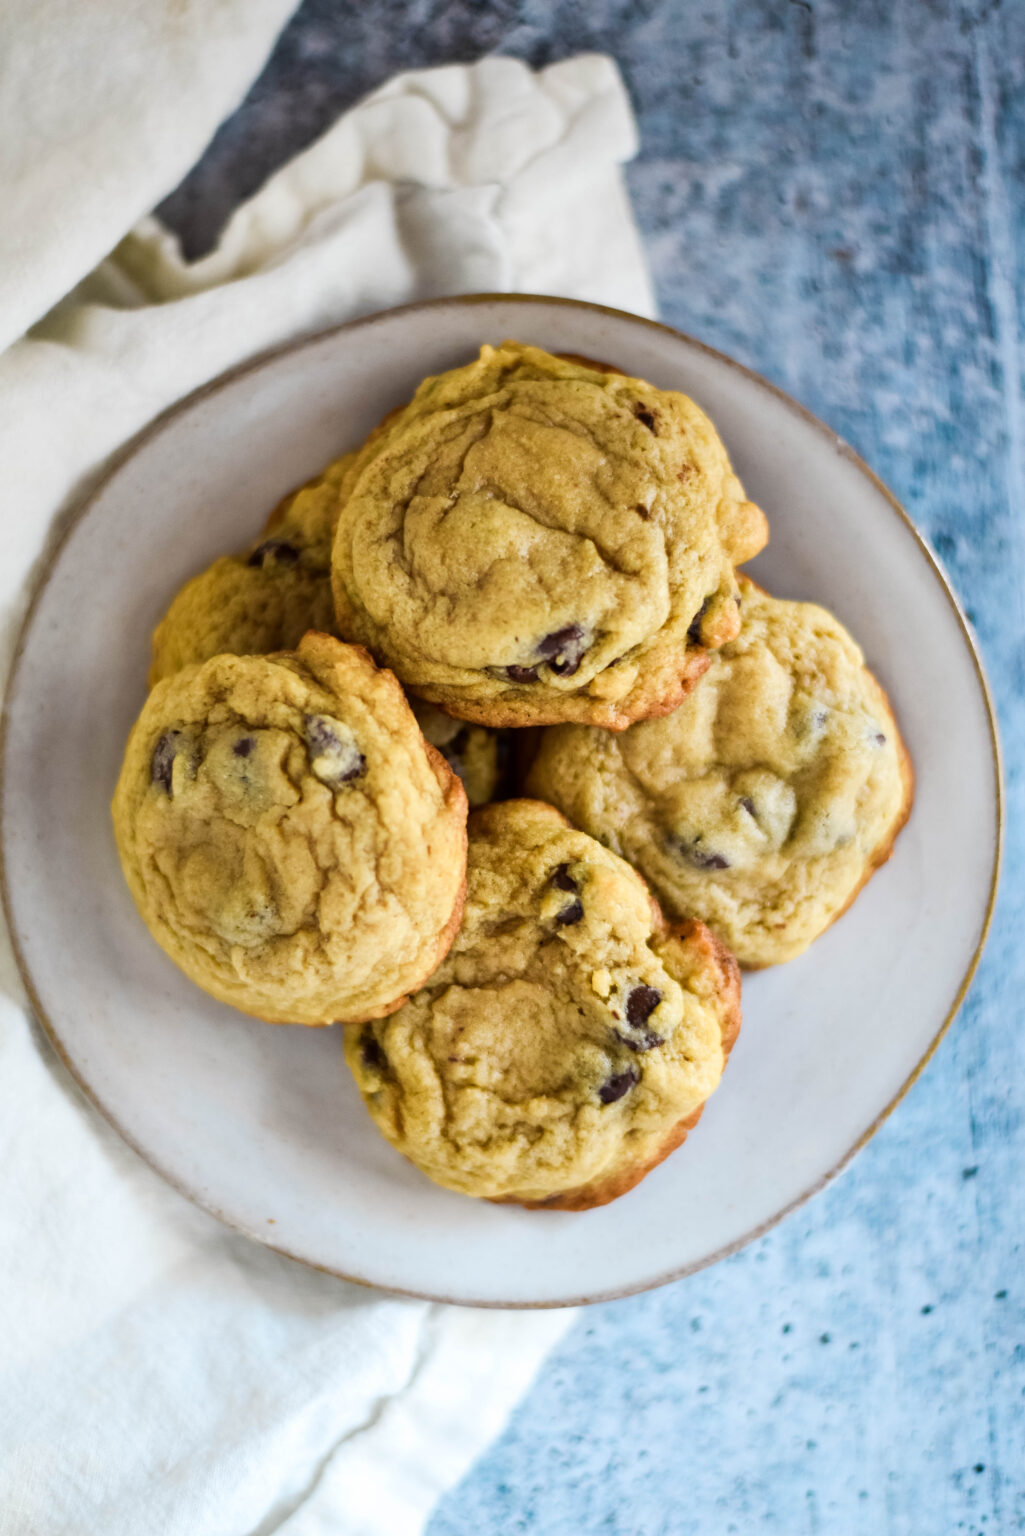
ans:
(80, 508)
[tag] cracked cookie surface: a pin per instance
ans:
(766, 801)
(569, 1039)
(289, 837)
(266, 598)
(533, 539)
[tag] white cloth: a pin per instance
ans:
(103, 108)
(158, 1373)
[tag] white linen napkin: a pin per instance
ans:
(103, 107)
(157, 1372)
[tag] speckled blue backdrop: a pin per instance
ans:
(832, 191)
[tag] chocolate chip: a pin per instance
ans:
(573, 911)
(274, 549)
(642, 1042)
(747, 804)
(563, 650)
(244, 746)
(645, 417)
(642, 510)
(321, 737)
(570, 914)
(879, 739)
(334, 756)
(694, 632)
(616, 1086)
(704, 860)
(701, 858)
(641, 1003)
(371, 1051)
(161, 765)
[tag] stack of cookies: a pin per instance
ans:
(519, 595)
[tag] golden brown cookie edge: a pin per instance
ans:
(587, 1197)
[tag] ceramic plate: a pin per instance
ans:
(262, 1126)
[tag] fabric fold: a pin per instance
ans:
(103, 108)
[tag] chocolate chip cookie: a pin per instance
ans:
(571, 1037)
(289, 837)
(477, 754)
(533, 539)
(266, 598)
(766, 801)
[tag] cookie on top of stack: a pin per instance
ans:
(532, 541)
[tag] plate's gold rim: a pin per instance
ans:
(267, 358)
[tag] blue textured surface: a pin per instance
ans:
(833, 193)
